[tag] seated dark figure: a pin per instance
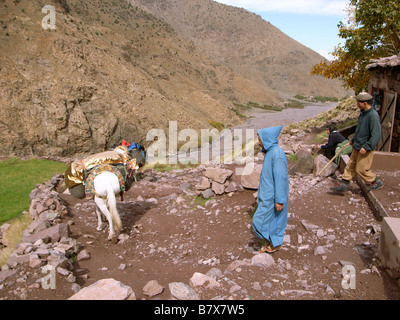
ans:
(335, 138)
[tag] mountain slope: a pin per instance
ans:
(246, 43)
(108, 72)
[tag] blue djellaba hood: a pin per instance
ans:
(269, 136)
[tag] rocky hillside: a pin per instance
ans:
(109, 71)
(246, 43)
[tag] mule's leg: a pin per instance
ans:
(99, 220)
(102, 204)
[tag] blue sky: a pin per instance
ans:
(311, 22)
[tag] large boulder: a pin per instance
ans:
(304, 165)
(250, 178)
(218, 175)
(106, 289)
(320, 162)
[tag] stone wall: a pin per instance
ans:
(46, 243)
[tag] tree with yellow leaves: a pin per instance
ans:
(372, 30)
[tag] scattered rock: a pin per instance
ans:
(152, 288)
(106, 289)
(256, 286)
(237, 264)
(207, 194)
(235, 288)
(308, 226)
(83, 255)
(152, 200)
(218, 175)
(122, 266)
(122, 237)
(199, 279)
(329, 290)
(320, 250)
(4, 274)
(263, 260)
(345, 263)
(181, 291)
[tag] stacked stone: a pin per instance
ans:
(216, 181)
(46, 242)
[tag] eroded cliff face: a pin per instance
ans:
(58, 99)
(108, 72)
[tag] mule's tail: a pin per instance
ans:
(112, 205)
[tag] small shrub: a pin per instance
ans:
(217, 125)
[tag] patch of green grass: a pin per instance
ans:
(325, 99)
(295, 104)
(13, 235)
(292, 158)
(200, 201)
(18, 178)
(300, 97)
(168, 167)
(349, 123)
(237, 112)
(319, 137)
(316, 99)
(256, 105)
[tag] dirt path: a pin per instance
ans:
(258, 118)
(172, 234)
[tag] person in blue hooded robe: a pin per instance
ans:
(270, 218)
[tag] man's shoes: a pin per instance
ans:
(376, 185)
(340, 186)
(269, 249)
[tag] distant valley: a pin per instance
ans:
(113, 70)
